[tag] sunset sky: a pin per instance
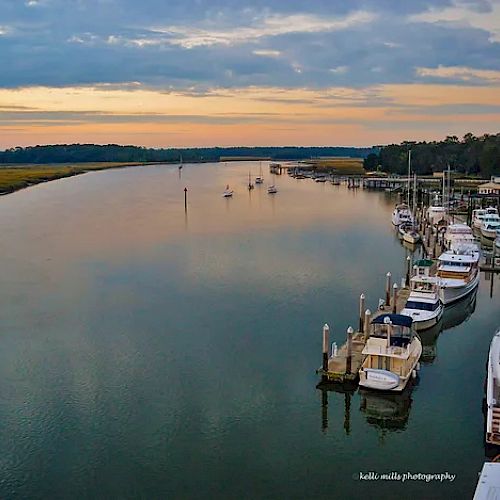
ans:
(227, 72)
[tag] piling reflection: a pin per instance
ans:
(459, 312)
(347, 390)
(429, 342)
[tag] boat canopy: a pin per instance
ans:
(396, 319)
(423, 263)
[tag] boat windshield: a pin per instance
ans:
(421, 306)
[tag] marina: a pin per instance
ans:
(136, 367)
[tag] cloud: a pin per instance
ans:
(267, 53)
(461, 73)
(191, 36)
(339, 70)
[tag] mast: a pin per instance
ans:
(408, 184)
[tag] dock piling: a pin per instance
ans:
(326, 333)
(388, 288)
(348, 360)
(366, 329)
(361, 311)
(394, 297)
(408, 264)
(185, 199)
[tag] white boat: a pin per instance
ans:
(272, 189)
(436, 212)
(424, 305)
(227, 192)
(493, 392)
(402, 215)
(259, 179)
(411, 235)
(458, 273)
(490, 226)
(479, 214)
(458, 234)
(391, 352)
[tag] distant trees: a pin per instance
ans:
(80, 153)
(471, 155)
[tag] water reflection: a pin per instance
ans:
(429, 342)
(347, 390)
(459, 312)
(386, 411)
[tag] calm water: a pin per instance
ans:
(145, 353)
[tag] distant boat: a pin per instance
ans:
(250, 185)
(180, 164)
(259, 179)
(272, 189)
(227, 192)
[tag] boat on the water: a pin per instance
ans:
(458, 272)
(436, 212)
(227, 192)
(410, 234)
(493, 392)
(479, 214)
(250, 183)
(259, 179)
(392, 353)
(402, 215)
(272, 189)
(424, 305)
(490, 226)
(458, 234)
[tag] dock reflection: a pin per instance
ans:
(459, 312)
(348, 391)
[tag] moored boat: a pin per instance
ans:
(402, 215)
(272, 189)
(493, 392)
(391, 352)
(458, 234)
(424, 305)
(490, 226)
(458, 272)
(227, 192)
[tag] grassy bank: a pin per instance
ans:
(15, 177)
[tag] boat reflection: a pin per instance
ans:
(386, 411)
(459, 312)
(429, 342)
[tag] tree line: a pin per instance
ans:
(81, 153)
(470, 155)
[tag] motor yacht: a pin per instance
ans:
(402, 215)
(490, 226)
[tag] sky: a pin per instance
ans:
(261, 72)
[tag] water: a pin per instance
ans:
(146, 353)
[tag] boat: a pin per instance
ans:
(392, 353)
(424, 305)
(250, 184)
(180, 164)
(335, 181)
(436, 212)
(488, 483)
(497, 241)
(479, 214)
(259, 179)
(490, 226)
(458, 234)
(272, 189)
(320, 179)
(227, 192)
(409, 233)
(493, 392)
(402, 215)
(458, 272)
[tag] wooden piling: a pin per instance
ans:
(185, 199)
(361, 311)
(394, 297)
(388, 288)
(326, 333)
(348, 360)
(366, 329)
(408, 269)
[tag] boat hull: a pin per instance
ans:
(428, 323)
(451, 294)
(489, 234)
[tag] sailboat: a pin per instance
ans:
(227, 192)
(250, 185)
(180, 164)
(259, 179)
(408, 230)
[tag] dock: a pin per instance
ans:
(345, 362)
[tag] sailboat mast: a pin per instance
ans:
(408, 184)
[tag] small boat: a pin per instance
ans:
(259, 179)
(458, 272)
(227, 192)
(493, 392)
(409, 233)
(479, 214)
(320, 179)
(335, 181)
(272, 189)
(490, 226)
(250, 184)
(392, 353)
(424, 305)
(436, 212)
(180, 164)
